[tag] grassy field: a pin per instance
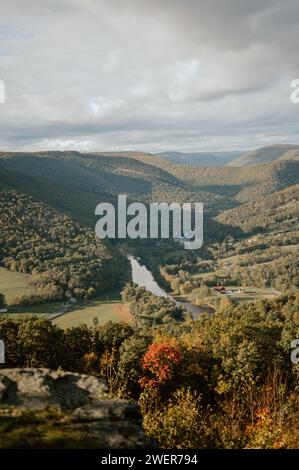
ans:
(13, 284)
(250, 293)
(39, 309)
(108, 307)
(239, 294)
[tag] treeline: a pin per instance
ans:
(226, 380)
(61, 255)
(281, 273)
(150, 310)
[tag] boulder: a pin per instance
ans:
(42, 408)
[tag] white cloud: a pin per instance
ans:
(102, 74)
(104, 107)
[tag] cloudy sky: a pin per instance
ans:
(148, 75)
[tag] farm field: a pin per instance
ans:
(13, 284)
(38, 310)
(250, 293)
(105, 308)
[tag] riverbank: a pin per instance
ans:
(143, 277)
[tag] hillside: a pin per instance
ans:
(76, 182)
(277, 211)
(234, 184)
(72, 184)
(265, 155)
(267, 252)
(200, 158)
(61, 255)
(244, 183)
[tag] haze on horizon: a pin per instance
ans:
(148, 75)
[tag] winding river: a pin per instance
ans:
(144, 278)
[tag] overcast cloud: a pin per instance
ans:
(148, 75)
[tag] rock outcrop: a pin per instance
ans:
(58, 409)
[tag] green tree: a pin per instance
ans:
(41, 343)
(79, 341)
(2, 301)
(129, 366)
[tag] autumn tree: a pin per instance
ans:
(159, 363)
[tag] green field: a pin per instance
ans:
(107, 307)
(39, 309)
(13, 284)
(250, 293)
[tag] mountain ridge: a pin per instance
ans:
(266, 154)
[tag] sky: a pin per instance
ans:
(148, 75)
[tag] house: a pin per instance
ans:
(3, 310)
(220, 289)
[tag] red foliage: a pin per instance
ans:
(160, 360)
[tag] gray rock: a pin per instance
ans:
(37, 388)
(85, 418)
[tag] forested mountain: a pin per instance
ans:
(61, 255)
(243, 184)
(275, 212)
(76, 182)
(84, 180)
(267, 252)
(239, 201)
(236, 184)
(200, 158)
(266, 154)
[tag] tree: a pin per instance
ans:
(175, 285)
(9, 335)
(2, 301)
(111, 336)
(41, 343)
(79, 342)
(246, 341)
(129, 366)
(160, 362)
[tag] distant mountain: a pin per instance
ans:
(75, 183)
(200, 158)
(267, 154)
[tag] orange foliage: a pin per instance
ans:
(160, 360)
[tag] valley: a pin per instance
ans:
(249, 241)
(171, 329)
(149, 232)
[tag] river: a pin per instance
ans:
(144, 278)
